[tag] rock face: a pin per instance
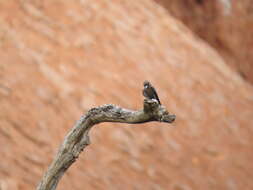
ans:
(225, 24)
(61, 58)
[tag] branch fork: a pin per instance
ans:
(77, 139)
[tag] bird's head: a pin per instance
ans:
(146, 84)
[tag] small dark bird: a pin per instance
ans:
(149, 91)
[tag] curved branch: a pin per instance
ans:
(77, 139)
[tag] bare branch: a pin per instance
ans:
(77, 139)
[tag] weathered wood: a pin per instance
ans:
(77, 139)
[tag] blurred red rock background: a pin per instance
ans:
(227, 25)
(61, 58)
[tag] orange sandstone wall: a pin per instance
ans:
(227, 25)
(60, 58)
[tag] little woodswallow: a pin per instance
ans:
(149, 91)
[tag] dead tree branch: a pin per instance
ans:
(77, 139)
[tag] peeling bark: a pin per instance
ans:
(77, 139)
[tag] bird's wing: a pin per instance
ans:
(155, 94)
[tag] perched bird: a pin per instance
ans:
(149, 91)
